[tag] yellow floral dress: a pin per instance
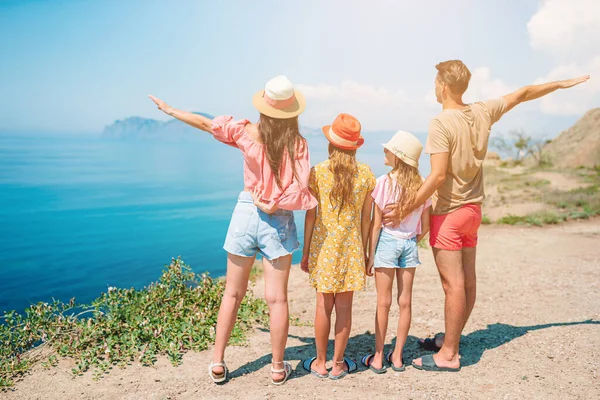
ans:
(336, 261)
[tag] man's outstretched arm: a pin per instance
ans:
(532, 92)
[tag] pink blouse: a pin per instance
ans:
(294, 194)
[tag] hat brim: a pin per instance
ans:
(289, 112)
(359, 143)
(401, 156)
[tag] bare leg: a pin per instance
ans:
(325, 303)
(384, 281)
(236, 283)
(405, 278)
(449, 265)
(277, 273)
(468, 262)
(469, 256)
(343, 325)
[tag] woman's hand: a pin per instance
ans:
(304, 262)
(162, 106)
(256, 196)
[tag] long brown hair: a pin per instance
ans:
(342, 164)
(405, 180)
(281, 138)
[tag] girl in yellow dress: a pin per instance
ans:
(335, 239)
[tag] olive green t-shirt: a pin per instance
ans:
(463, 134)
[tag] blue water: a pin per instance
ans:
(79, 213)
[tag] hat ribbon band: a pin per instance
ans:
(341, 141)
(279, 104)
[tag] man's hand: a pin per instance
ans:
(391, 217)
(572, 82)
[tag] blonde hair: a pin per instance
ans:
(455, 74)
(405, 182)
(342, 164)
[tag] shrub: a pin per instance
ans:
(174, 315)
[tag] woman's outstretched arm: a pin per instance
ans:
(195, 120)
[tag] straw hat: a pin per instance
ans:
(344, 132)
(279, 99)
(406, 147)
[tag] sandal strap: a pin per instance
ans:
(219, 364)
(279, 371)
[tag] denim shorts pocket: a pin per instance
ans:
(240, 222)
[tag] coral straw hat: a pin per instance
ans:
(344, 132)
(279, 99)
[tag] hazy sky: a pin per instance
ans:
(79, 65)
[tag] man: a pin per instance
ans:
(457, 142)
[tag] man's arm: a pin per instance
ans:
(533, 92)
(439, 170)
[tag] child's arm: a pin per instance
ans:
(365, 224)
(309, 224)
(425, 218)
(374, 239)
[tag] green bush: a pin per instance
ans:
(174, 315)
(485, 220)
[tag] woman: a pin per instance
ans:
(276, 172)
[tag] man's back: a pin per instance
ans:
(463, 133)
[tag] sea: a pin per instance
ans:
(80, 213)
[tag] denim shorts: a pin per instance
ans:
(251, 231)
(393, 252)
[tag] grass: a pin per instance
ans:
(536, 219)
(485, 220)
(169, 317)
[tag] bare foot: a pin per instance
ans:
(442, 360)
(377, 361)
(277, 376)
(319, 367)
(338, 368)
(218, 370)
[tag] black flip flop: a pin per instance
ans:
(429, 344)
(366, 361)
(428, 364)
(389, 360)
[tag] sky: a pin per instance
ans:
(79, 65)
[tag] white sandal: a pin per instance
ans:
(217, 378)
(287, 369)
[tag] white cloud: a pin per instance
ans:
(483, 86)
(381, 108)
(577, 100)
(377, 108)
(566, 28)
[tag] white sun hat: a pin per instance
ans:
(279, 99)
(406, 147)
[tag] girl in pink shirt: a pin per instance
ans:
(393, 250)
(276, 172)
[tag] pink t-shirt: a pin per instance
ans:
(383, 196)
(294, 194)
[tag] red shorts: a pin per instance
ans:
(456, 230)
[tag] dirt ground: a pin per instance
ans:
(534, 334)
